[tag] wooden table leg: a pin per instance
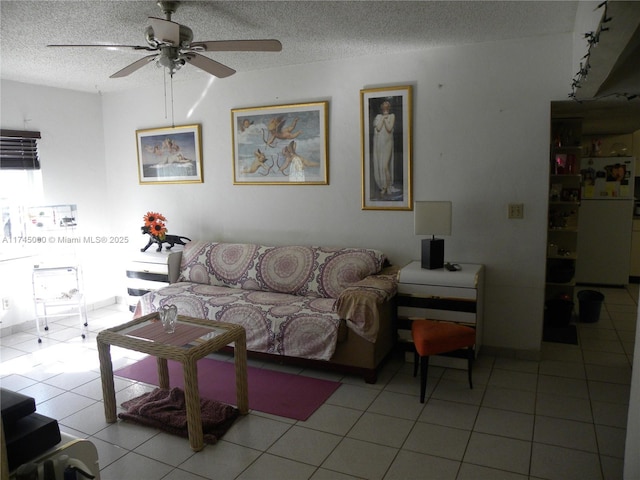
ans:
(163, 373)
(192, 400)
(106, 376)
(240, 359)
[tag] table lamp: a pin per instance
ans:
(432, 218)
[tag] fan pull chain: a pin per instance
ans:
(173, 123)
(164, 84)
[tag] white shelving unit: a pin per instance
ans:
(562, 221)
(58, 292)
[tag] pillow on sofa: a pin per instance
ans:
(212, 263)
(342, 267)
(296, 269)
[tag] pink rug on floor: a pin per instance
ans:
(277, 393)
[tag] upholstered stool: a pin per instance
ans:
(431, 337)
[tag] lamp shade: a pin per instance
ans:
(432, 218)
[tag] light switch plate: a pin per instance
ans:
(516, 210)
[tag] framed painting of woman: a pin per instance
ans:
(386, 125)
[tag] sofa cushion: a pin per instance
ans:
(297, 270)
(276, 323)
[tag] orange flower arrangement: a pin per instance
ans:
(155, 223)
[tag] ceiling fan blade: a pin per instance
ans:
(134, 66)
(112, 47)
(210, 66)
(238, 46)
(165, 31)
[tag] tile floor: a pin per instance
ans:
(563, 417)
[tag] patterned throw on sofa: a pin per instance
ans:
(289, 299)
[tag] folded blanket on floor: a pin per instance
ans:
(166, 410)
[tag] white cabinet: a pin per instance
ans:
(440, 294)
(147, 271)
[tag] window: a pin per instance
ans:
(19, 150)
(20, 185)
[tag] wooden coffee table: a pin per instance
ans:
(193, 339)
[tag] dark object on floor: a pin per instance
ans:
(590, 303)
(567, 334)
(27, 433)
(558, 312)
(15, 406)
(167, 411)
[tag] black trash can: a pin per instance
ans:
(590, 305)
(558, 313)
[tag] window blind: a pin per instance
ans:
(19, 150)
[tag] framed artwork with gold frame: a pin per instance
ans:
(281, 144)
(170, 155)
(386, 126)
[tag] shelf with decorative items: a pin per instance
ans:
(563, 222)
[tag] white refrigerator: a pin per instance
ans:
(605, 221)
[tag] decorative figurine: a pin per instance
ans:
(155, 227)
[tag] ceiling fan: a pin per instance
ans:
(175, 48)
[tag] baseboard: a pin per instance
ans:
(28, 324)
(531, 355)
(103, 303)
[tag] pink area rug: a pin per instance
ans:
(277, 393)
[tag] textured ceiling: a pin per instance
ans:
(310, 31)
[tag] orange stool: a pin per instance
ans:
(431, 338)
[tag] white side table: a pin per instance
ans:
(147, 271)
(440, 294)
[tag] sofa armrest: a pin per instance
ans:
(359, 303)
(175, 258)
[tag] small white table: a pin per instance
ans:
(440, 294)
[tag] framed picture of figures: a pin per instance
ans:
(170, 155)
(386, 126)
(280, 145)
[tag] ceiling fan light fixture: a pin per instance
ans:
(165, 61)
(174, 47)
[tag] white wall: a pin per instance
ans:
(73, 169)
(481, 123)
(481, 136)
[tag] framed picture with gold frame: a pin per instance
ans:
(280, 145)
(170, 155)
(386, 126)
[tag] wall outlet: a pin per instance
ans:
(516, 210)
(5, 304)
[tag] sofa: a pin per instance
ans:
(309, 305)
